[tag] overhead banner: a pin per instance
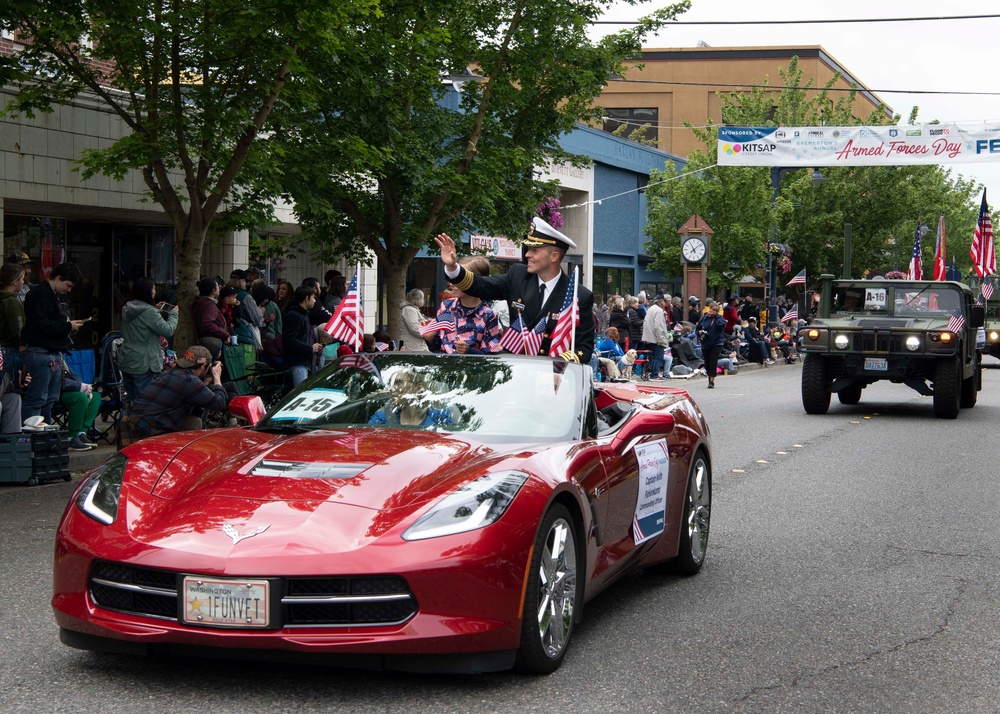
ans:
(813, 146)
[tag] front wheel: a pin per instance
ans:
(551, 595)
(815, 390)
(947, 388)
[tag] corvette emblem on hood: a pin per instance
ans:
(237, 536)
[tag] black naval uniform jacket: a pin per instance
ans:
(519, 287)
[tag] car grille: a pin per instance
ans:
(878, 342)
(307, 602)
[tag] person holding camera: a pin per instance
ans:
(144, 321)
(170, 403)
(712, 332)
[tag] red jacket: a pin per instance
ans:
(732, 316)
(208, 319)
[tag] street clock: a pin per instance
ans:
(694, 249)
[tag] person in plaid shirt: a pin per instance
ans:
(164, 405)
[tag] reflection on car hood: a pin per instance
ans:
(370, 468)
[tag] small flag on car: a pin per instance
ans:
(956, 322)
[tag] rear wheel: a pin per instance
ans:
(850, 395)
(815, 390)
(551, 595)
(695, 521)
(947, 388)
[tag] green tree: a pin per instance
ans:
(195, 82)
(381, 160)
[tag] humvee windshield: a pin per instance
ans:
(895, 300)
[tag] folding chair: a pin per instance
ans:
(82, 363)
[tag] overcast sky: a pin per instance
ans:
(938, 56)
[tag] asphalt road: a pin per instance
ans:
(852, 567)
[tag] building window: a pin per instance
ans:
(640, 124)
(612, 281)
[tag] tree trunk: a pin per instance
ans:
(396, 266)
(187, 255)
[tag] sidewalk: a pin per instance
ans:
(81, 462)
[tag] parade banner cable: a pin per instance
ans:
(815, 146)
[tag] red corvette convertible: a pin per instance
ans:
(420, 512)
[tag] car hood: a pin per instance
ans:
(300, 493)
(370, 468)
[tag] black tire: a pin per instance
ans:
(947, 388)
(33, 481)
(695, 522)
(815, 389)
(850, 395)
(971, 386)
(551, 595)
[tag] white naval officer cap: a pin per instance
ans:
(542, 233)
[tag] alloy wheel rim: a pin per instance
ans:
(556, 588)
(699, 511)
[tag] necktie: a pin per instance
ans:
(541, 294)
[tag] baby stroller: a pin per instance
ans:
(109, 383)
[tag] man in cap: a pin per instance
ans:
(533, 289)
(167, 405)
(656, 333)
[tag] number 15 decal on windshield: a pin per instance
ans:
(311, 404)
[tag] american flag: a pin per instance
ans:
(799, 279)
(956, 322)
(445, 321)
(381, 346)
(533, 339)
(987, 289)
(359, 360)
(512, 339)
(939, 252)
(792, 315)
(569, 318)
(916, 271)
(348, 323)
(984, 259)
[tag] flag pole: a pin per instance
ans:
(573, 308)
(358, 311)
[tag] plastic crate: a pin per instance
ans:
(13, 446)
(48, 442)
(16, 471)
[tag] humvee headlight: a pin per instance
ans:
(946, 336)
(994, 335)
(813, 334)
(841, 342)
(913, 343)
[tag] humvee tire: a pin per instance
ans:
(947, 388)
(815, 390)
(851, 395)
(970, 391)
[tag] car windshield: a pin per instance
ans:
(503, 398)
(900, 300)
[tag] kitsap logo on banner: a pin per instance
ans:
(813, 147)
(735, 140)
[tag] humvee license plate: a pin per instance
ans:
(876, 364)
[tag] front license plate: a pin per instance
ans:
(226, 603)
(876, 364)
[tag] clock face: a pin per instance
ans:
(693, 250)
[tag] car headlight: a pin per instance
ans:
(994, 335)
(913, 343)
(474, 505)
(841, 342)
(98, 497)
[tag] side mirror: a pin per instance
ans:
(249, 408)
(648, 424)
(977, 316)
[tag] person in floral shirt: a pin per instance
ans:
(477, 329)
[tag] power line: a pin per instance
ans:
(856, 20)
(811, 89)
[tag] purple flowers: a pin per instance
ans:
(551, 213)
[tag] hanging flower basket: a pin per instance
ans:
(895, 275)
(549, 211)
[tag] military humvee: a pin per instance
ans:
(914, 332)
